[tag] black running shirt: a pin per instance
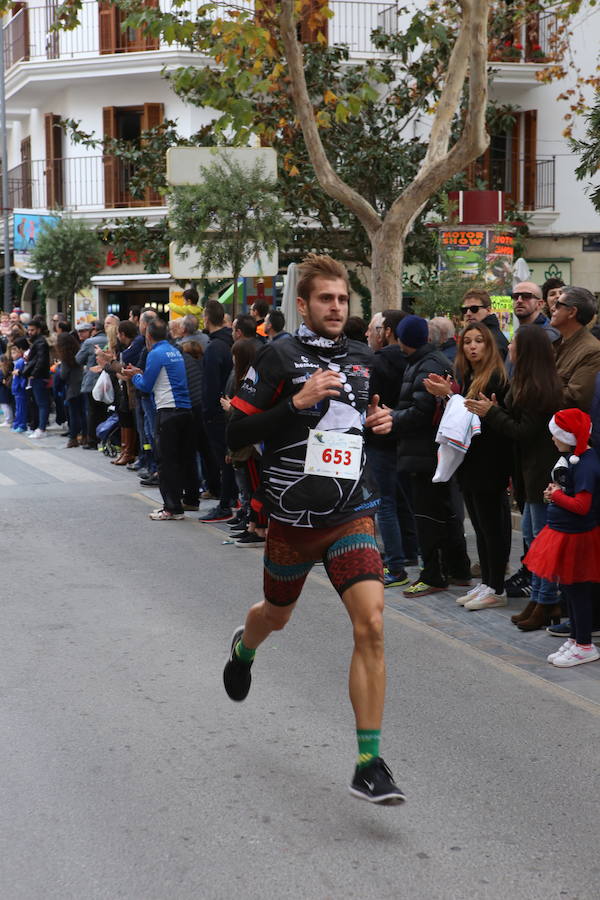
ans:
(281, 368)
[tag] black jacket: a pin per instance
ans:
(488, 462)
(534, 453)
(38, 361)
(193, 370)
(387, 373)
(217, 366)
(415, 419)
(493, 324)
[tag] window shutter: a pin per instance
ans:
(20, 33)
(109, 128)
(107, 24)
(308, 29)
(150, 43)
(152, 117)
(26, 183)
(529, 167)
(54, 173)
(515, 161)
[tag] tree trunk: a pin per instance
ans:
(386, 265)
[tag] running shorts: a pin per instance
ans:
(349, 553)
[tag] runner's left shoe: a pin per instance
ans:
(375, 783)
(236, 674)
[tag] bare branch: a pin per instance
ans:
(328, 179)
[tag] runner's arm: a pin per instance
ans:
(244, 429)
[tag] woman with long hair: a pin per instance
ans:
(535, 394)
(72, 375)
(484, 473)
(249, 528)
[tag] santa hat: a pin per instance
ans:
(572, 426)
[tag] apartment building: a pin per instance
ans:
(110, 81)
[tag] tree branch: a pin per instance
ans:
(327, 177)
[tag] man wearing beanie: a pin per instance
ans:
(414, 422)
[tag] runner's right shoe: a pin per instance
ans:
(375, 783)
(236, 674)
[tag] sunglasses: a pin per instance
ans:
(526, 295)
(471, 309)
(560, 303)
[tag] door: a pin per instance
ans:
(54, 162)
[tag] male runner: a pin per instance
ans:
(306, 398)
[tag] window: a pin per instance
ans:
(127, 123)
(113, 39)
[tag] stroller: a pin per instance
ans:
(108, 434)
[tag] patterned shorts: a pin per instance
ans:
(349, 553)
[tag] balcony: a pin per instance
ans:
(29, 38)
(517, 56)
(534, 182)
(85, 183)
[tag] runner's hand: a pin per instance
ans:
(321, 384)
(379, 418)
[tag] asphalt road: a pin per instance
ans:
(128, 773)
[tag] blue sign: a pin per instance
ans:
(27, 229)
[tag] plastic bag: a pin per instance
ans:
(103, 390)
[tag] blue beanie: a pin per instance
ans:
(413, 331)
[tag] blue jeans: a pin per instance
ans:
(75, 407)
(149, 408)
(41, 395)
(532, 522)
(398, 545)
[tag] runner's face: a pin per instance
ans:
(326, 310)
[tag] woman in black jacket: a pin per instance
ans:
(72, 375)
(484, 473)
(37, 368)
(534, 396)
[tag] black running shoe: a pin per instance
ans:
(236, 674)
(519, 584)
(375, 783)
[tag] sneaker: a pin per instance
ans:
(562, 630)
(217, 514)
(236, 674)
(191, 507)
(163, 515)
(250, 539)
(390, 580)
(5, 424)
(575, 656)
(420, 589)
(562, 649)
(136, 465)
(375, 783)
(151, 481)
(236, 520)
(20, 429)
(476, 570)
(486, 599)
(470, 595)
(519, 584)
(37, 435)
(206, 495)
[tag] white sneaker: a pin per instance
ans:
(470, 595)
(5, 424)
(562, 649)
(486, 599)
(575, 656)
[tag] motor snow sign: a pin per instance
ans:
(184, 166)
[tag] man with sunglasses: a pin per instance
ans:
(527, 306)
(477, 307)
(577, 351)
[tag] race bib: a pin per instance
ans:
(333, 454)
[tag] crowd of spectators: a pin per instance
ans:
(167, 388)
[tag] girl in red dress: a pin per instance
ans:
(567, 550)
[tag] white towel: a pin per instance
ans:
(456, 430)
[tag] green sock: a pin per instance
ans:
(368, 746)
(245, 654)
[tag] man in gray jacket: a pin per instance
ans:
(86, 357)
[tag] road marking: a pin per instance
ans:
(4, 479)
(55, 466)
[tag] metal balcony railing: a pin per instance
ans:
(537, 177)
(29, 34)
(84, 182)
